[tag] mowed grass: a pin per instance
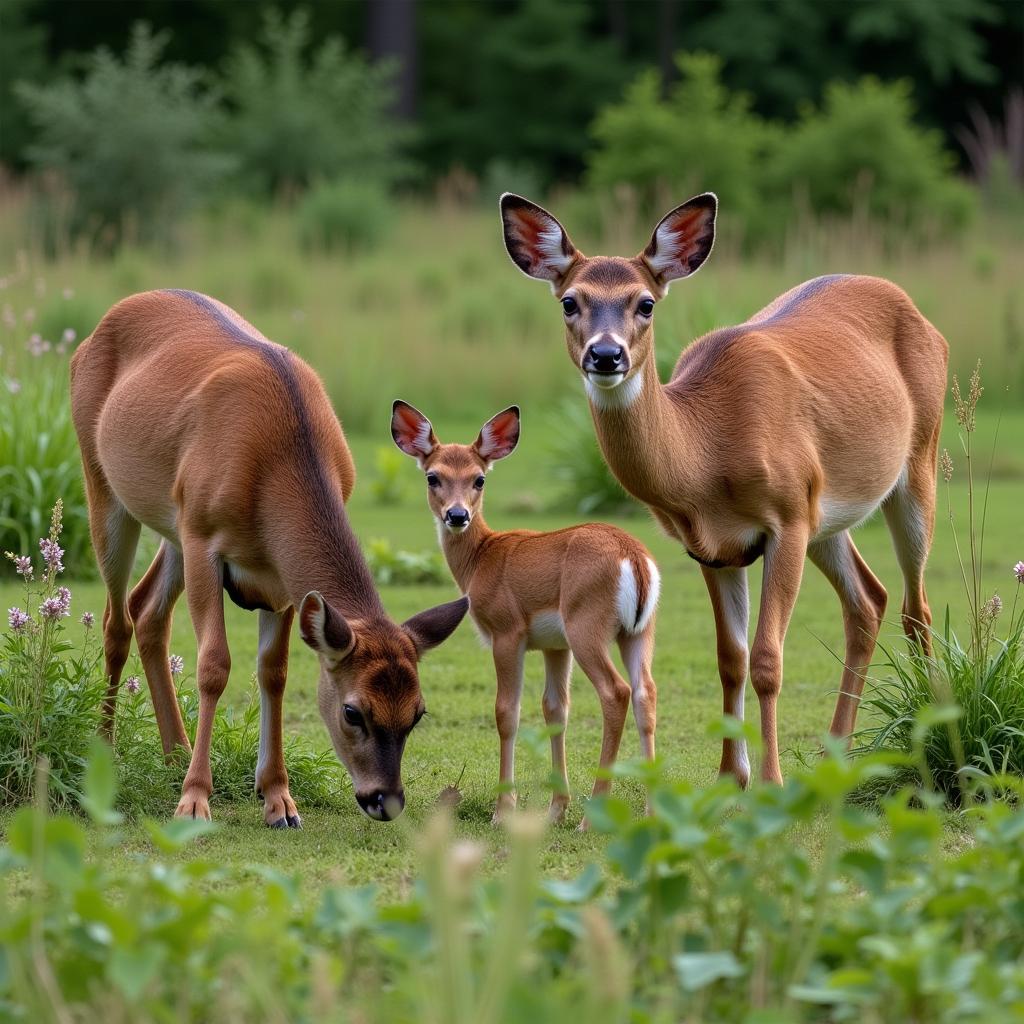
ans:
(458, 736)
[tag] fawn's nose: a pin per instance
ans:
(381, 805)
(605, 357)
(457, 516)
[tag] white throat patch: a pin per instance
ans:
(620, 397)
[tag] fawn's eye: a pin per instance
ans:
(478, 483)
(569, 306)
(432, 480)
(645, 307)
(354, 717)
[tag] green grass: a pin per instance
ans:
(459, 686)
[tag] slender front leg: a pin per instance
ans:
(783, 569)
(508, 654)
(557, 670)
(204, 590)
(731, 605)
(279, 809)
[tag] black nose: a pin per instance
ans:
(457, 516)
(605, 357)
(381, 805)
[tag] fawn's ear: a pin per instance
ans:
(324, 628)
(434, 626)
(412, 431)
(499, 435)
(682, 240)
(537, 243)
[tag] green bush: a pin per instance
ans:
(397, 567)
(347, 214)
(133, 138)
(299, 114)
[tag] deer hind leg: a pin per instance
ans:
(557, 672)
(151, 605)
(279, 809)
(508, 652)
(637, 652)
(731, 605)
(204, 590)
(115, 537)
(910, 514)
(863, 599)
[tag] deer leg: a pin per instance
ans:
(508, 652)
(279, 809)
(863, 599)
(557, 671)
(730, 603)
(783, 570)
(152, 606)
(204, 591)
(637, 653)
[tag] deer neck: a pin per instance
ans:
(645, 436)
(462, 551)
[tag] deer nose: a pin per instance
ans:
(605, 357)
(381, 805)
(457, 516)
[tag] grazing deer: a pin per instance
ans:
(775, 437)
(191, 422)
(568, 592)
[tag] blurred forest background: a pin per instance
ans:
(332, 170)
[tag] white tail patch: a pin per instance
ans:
(627, 597)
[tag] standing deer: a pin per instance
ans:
(567, 592)
(774, 437)
(191, 422)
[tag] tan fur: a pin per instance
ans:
(519, 581)
(776, 436)
(194, 424)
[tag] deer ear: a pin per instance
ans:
(324, 628)
(537, 243)
(434, 626)
(682, 240)
(412, 431)
(499, 435)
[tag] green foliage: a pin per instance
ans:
(388, 486)
(586, 484)
(391, 566)
(346, 214)
(132, 138)
(710, 909)
(22, 58)
(299, 114)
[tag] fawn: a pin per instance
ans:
(566, 593)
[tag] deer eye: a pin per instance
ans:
(478, 483)
(645, 307)
(432, 480)
(569, 306)
(354, 717)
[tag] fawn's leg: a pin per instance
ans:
(508, 652)
(557, 673)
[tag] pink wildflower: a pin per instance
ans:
(177, 663)
(23, 566)
(56, 607)
(52, 554)
(17, 619)
(1018, 571)
(131, 684)
(14, 386)
(88, 619)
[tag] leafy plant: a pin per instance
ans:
(133, 138)
(395, 566)
(388, 486)
(347, 214)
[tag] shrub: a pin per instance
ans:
(133, 138)
(388, 486)
(349, 214)
(299, 114)
(391, 566)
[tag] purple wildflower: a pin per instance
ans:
(177, 663)
(88, 619)
(1018, 571)
(37, 345)
(52, 554)
(69, 336)
(55, 607)
(14, 386)
(17, 619)
(131, 684)
(23, 566)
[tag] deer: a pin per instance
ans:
(567, 593)
(772, 439)
(224, 443)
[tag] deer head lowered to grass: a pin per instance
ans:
(191, 422)
(774, 437)
(567, 593)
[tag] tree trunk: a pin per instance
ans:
(391, 35)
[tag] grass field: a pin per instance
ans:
(459, 687)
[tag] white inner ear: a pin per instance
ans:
(491, 444)
(668, 248)
(317, 620)
(549, 243)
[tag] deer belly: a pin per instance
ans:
(547, 632)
